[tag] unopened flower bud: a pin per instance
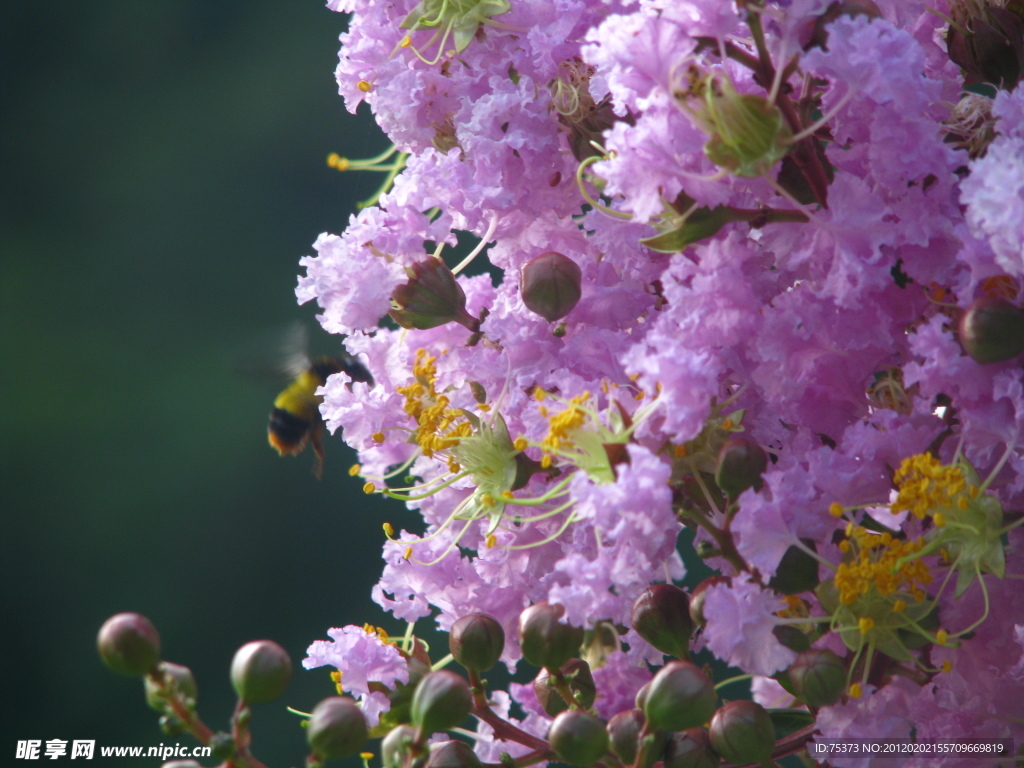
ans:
(818, 677)
(578, 738)
(661, 616)
(476, 641)
(741, 462)
(260, 671)
(171, 725)
(170, 679)
(742, 732)
(690, 749)
(992, 330)
(452, 754)
(641, 695)
(550, 285)
(987, 42)
(442, 700)
(624, 734)
(629, 742)
(432, 297)
(222, 746)
(129, 644)
(397, 746)
(336, 728)
(576, 675)
(681, 696)
(544, 639)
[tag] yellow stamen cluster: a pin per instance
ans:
(926, 486)
(562, 424)
(439, 427)
(1001, 287)
(380, 633)
(883, 562)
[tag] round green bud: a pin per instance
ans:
(632, 742)
(624, 734)
(742, 732)
(818, 677)
(578, 738)
(336, 728)
(550, 285)
(992, 330)
(661, 616)
(690, 749)
(641, 695)
(170, 679)
(129, 644)
(544, 639)
(442, 700)
(452, 754)
(397, 746)
(476, 641)
(681, 696)
(222, 746)
(577, 675)
(171, 725)
(741, 462)
(260, 671)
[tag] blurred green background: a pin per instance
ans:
(163, 170)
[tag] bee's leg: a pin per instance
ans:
(316, 440)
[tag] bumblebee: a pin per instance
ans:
(295, 419)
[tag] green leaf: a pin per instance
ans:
(699, 225)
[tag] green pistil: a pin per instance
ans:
(458, 18)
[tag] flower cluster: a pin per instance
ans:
(760, 277)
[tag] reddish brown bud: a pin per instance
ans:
(544, 639)
(452, 754)
(992, 330)
(476, 641)
(818, 677)
(690, 749)
(680, 696)
(129, 644)
(661, 616)
(742, 732)
(578, 738)
(441, 700)
(550, 285)
(432, 297)
(336, 728)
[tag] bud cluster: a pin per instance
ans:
(260, 672)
